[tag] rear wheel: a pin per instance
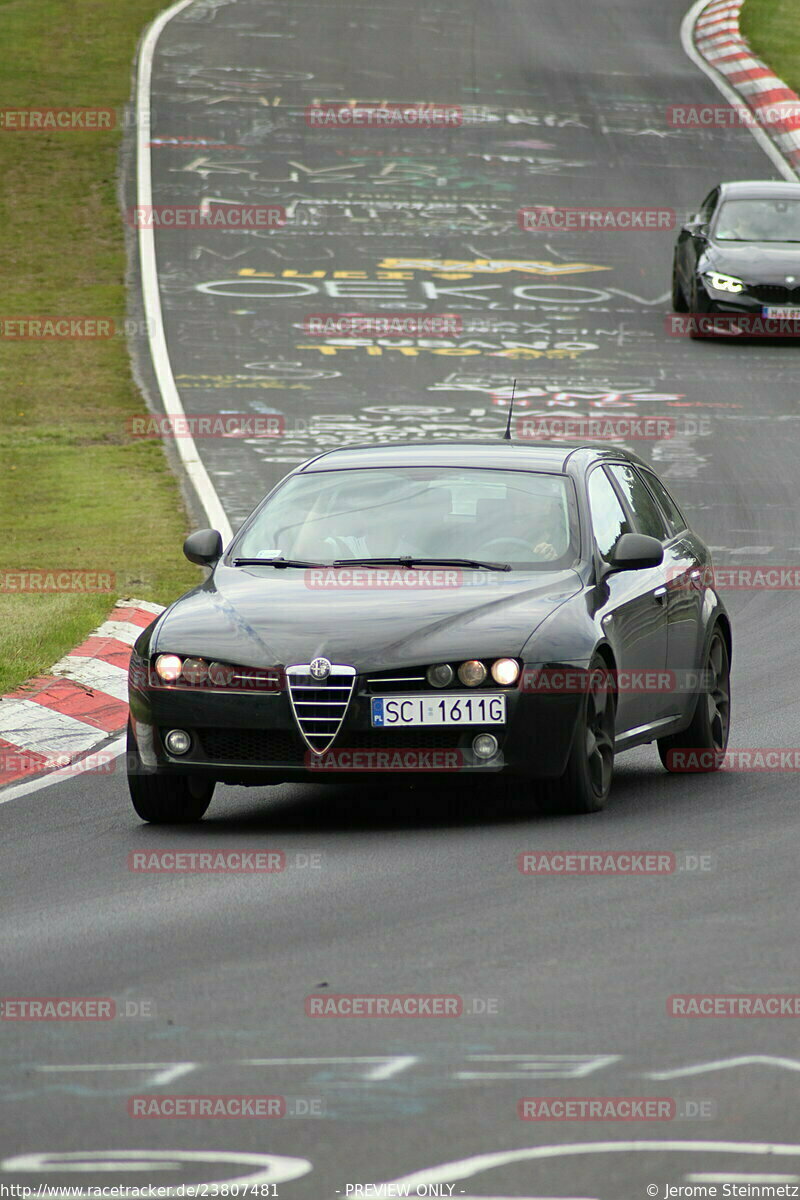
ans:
(586, 783)
(708, 732)
(164, 798)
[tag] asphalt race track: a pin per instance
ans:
(416, 890)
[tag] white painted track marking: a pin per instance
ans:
(465, 1168)
(270, 1168)
(724, 1064)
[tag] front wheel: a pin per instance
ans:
(679, 304)
(163, 798)
(586, 783)
(702, 746)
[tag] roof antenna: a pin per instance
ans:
(507, 434)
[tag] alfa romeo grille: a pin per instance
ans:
(319, 705)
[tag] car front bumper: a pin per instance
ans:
(254, 738)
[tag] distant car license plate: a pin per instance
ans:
(780, 312)
(438, 710)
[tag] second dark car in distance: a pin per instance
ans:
(741, 252)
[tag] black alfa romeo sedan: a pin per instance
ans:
(523, 610)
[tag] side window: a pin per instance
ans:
(675, 518)
(609, 521)
(644, 508)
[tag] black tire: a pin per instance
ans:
(586, 782)
(711, 719)
(679, 304)
(165, 799)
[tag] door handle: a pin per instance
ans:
(660, 595)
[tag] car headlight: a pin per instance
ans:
(724, 283)
(472, 673)
(214, 676)
(168, 667)
(505, 671)
(440, 675)
(195, 670)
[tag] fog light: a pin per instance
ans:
(168, 667)
(195, 670)
(440, 675)
(472, 673)
(485, 745)
(178, 741)
(505, 671)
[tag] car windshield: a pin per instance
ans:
(517, 517)
(759, 221)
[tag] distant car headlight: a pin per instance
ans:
(440, 676)
(505, 671)
(472, 673)
(168, 667)
(724, 283)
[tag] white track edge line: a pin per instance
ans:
(159, 354)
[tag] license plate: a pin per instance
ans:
(780, 312)
(438, 710)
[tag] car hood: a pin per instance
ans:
(257, 616)
(755, 262)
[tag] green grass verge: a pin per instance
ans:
(75, 492)
(772, 28)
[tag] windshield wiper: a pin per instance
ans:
(279, 561)
(411, 562)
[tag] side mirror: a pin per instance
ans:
(203, 547)
(636, 552)
(696, 228)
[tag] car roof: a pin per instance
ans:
(752, 189)
(495, 453)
